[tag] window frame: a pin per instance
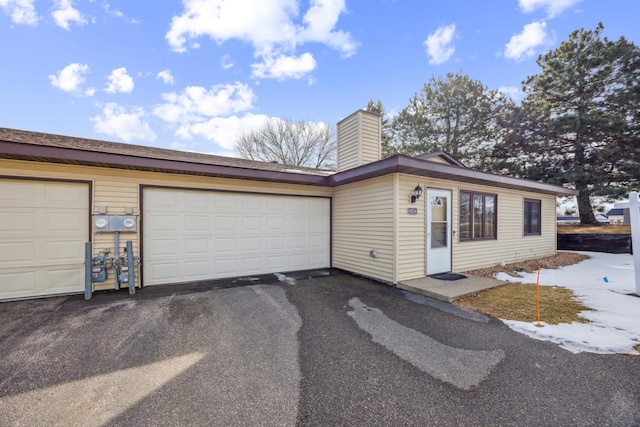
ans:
(472, 195)
(526, 216)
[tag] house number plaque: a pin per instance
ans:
(412, 211)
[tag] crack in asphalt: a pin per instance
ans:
(462, 368)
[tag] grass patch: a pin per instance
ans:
(594, 229)
(518, 302)
(561, 259)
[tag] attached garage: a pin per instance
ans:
(193, 235)
(43, 228)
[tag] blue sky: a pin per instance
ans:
(193, 74)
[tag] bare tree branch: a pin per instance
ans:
(301, 143)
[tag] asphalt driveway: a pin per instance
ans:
(328, 350)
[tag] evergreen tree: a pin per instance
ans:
(579, 121)
(388, 149)
(454, 114)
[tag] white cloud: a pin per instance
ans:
(552, 7)
(128, 125)
(118, 14)
(512, 92)
(523, 45)
(196, 104)
(70, 78)
(223, 131)
(440, 46)
(64, 13)
(165, 76)
(119, 81)
(226, 62)
(271, 26)
(284, 67)
(320, 20)
(20, 11)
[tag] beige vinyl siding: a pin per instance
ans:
(359, 140)
(119, 189)
(511, 244)
(370, 137)
(363, 220)
(348, 150)
(438, 159)
(411, 230)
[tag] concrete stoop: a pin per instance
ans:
(449, 290)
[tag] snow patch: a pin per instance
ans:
(615, 319)
(285, 279)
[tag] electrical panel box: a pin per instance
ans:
(111, 223)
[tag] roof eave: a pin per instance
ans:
(409, 165)
(120, 161)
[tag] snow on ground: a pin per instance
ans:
(601, 283)
(285, 279)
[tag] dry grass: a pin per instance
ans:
(518, 301)
(594, 229)
(561, 259)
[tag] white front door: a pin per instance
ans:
(438, 231)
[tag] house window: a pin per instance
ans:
(478, 213)
(532, 217)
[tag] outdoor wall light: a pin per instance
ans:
(417, 192)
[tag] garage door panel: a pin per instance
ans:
(63, 222)
(63, 251)
(253, 243)
(298, 261)
(16, 193)
(253, 203)
(237, 234)
(226, 202)
(16, 222)
(318, 259)
(276, 243)
(275, 204)
(224, 244)
(17, 254)
(161, 223)
(193, 201)
(225, 267)
(252, 265)
(196, 246)
(225, 223)
(276, 223)
(163, 248)
(43, 229)
(277, 262)
(164, 271)
(63, 195)
(317, 241)
(197, 223)
(197, 269)
(64, 279)
(252, 223)
(17, 282)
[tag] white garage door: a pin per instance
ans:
(43, 229)
(191, 235)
